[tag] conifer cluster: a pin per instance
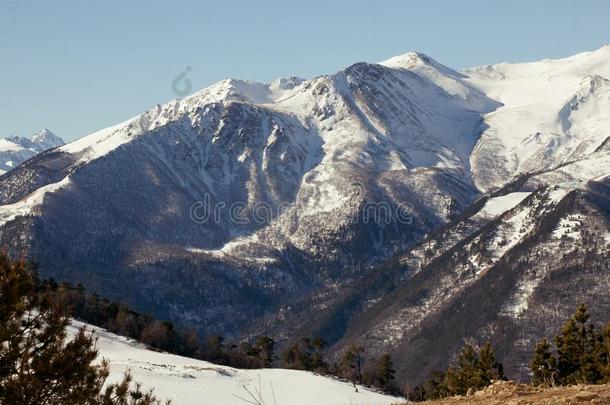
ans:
(39, 363)
(581, 354)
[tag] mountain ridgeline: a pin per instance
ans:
(15, 150)
(402, 206)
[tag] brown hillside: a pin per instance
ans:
(511, 393)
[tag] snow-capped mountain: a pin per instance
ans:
(553, 112)
(307, 156)
(15, 150)
(510, 271)
(187, 381)
(262, 201)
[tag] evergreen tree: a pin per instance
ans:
(317, 359)
(385, 374)
(38, 363)
(290, 357)
(264, 348)
(306, 355)
(543, 365)
(216, 349)
(583, 354)
(576, 350)
(462, 376)
(435, 387)
(487, 368)
(604, 353)
(473, 369)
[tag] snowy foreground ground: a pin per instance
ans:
(193, 382)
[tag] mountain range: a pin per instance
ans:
(403, 205)
(15, 150)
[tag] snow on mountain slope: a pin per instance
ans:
(499, 205)
(446, 78)
(104, 141)
(188, 381)
(15, 150)
(510, 280)
(294, 169)
(487, 248)
(553, 111)
(382, 127)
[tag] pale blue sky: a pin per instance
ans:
(78, 66)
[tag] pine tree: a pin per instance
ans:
(583, 354)
(294, 358)
(576, 350)
(317, 359)
(474, 369)
(38, 363)
(543, 365)
(216, 349)
(264, 346)
(604, 353)
(435, 387)
(487, 368)
(385, 374)
(463, 376)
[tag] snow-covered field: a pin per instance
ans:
(193, 382)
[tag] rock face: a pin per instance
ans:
(384, 203)
(15, 150)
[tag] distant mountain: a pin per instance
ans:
(15, 150)
(367, 205)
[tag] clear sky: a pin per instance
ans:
(79, 66)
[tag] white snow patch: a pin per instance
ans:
(551, 114)
(510, 233)
(519, 302)
(28, 204)
(568, 227)
(557, 194)
(498, 205)
(234, 247)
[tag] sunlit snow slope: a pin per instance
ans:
(554, 112)
(193, 382)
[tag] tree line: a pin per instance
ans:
(578, 354)
(39, 364)
(306, 354)
(28, 304)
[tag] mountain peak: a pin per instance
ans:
(408, 60)
(419, 61)
(46, 139)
